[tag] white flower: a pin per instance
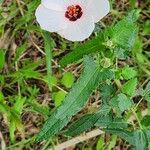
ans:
(72, 19)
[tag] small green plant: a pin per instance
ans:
(101, 73)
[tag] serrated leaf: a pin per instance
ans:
(140, 140)
(104, 110)
(146, 93)
(146, 121)
(109, 122)
(83, 124)
(15, 123)
(120, 103)
(38, 107)
(123, 34)
(68, 79)
(106, 91)
(88, 121)
(74, 101)
(81, 50)
(133, 15)
(124, 102)
(129, 87)
(59, 97)
(18, 106)
(128, 73)
(126, 135)
(120, 53)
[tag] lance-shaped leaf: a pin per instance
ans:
(109, 122)
(81, 50)
(75, 100)
(88, 121)
(83, 124)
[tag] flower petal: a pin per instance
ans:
(50, 20)
(97, 8)
(61, 5)
(54, 4)
(78, 30)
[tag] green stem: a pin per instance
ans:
(21, 143)
(137, 118)
(48, 45)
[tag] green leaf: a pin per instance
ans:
(104, 110)
(12, 129)
(124, 102)
(133, 15)
(83, 124)
(2, 59)
(75, 100)
(146, 121)
(27, 17)
(15, 123)
(59, 97)
(109, 122)
(106, 91)
(53, 80)
(30, 74)
(4, 108)
(140, 140)
(120, 53)
(91, 46)
(147, 134)
(100, 144)
(112, 142)
(68, 79)
(128, 73)
(1, 97)
(121, 103)
(88, 121)
(41, 109)
(126, 135)
(138, 46)
(19, 51)
(123, 34)
(129, 87)
(146, 30)
(18, 106)
(146, 93)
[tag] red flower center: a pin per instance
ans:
(74, 12)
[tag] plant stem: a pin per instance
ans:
(137, 118)
(48, 45)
